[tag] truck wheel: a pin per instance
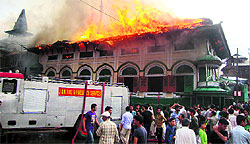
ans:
(1, 133)
(81, 134)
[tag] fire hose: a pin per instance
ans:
(83, 108)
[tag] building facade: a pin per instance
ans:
(169, 64)
(230, 71)
(243, 67)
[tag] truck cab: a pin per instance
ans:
(10, 91)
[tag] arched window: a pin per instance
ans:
(85, 74)
(66, 74)
(51, 74)
(155, 70)
(184, 69)
(105, 75)
(129, 71)
(105, 72)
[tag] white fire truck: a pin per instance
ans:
(34, 104)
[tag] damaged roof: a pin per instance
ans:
(214, 33)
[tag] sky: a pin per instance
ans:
(57, 16)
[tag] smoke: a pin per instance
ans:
(61, 24)
(14, 44)
(71, 18)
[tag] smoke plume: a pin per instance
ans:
(62, 24)
(73, 17)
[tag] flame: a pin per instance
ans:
(142, 20)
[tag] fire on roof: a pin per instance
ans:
(143, 23)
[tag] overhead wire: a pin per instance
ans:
(100, 10)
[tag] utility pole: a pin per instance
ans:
(237, 75)
(249, 55)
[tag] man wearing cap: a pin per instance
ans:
(125, 127)
(108, 109)
(107, 131)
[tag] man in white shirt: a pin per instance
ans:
(232, 118)
(185, 135)
(125, 127)
(239, 135)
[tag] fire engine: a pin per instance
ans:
(45, 103)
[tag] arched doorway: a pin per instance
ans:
(184, 78)
(130, 78)
(155, 76)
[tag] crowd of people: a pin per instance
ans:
(174, 124)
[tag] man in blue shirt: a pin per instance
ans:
(131, 110)
(89, 121)
(176, 114)
(125, 127)
(170, 131)
(239, 135)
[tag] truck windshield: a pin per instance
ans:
(9, 86)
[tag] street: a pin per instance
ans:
(42, 137)
(39, 137)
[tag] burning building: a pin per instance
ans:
(180, 57)
(182, 62)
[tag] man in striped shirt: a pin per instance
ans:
(107, 131)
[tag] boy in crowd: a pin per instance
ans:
(170, 132)
(202, 132)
